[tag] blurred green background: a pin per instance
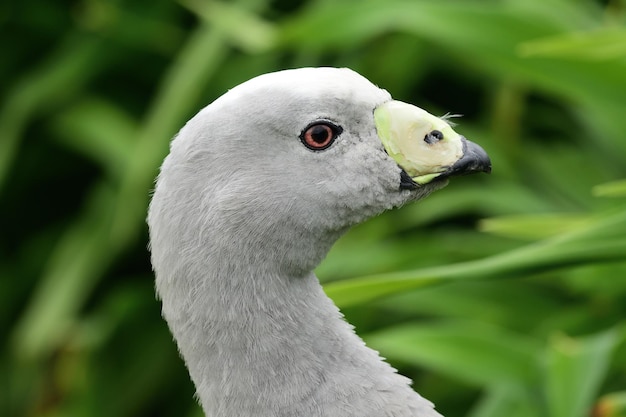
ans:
(502, 295)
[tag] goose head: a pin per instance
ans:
(290, 160)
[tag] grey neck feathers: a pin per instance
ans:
(262, 343)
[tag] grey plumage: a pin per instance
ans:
(241, 214)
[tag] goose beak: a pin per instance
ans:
(425, 146)
(474, 159)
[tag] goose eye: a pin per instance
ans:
(320, 135)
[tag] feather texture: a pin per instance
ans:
(241, 214)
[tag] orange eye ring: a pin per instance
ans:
(319, 135)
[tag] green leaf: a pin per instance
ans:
(505, 400)
(469, 351)
(598, 45)
(99, 130)
(62, 74)
(610, 189)
(538, 226)
(575, 368)
(359, 290)
(243, 28)
(74, 267)
(489, 301)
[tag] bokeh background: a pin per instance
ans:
(502, 295)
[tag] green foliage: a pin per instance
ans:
(500, 296)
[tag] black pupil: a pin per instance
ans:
(437, 134)
(319, 134)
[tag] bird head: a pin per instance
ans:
(289, 160)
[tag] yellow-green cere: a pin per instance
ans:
(402, 129)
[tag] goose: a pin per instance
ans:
(255, 190)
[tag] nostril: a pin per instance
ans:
(433, 137)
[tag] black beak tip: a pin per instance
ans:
(474, 159)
